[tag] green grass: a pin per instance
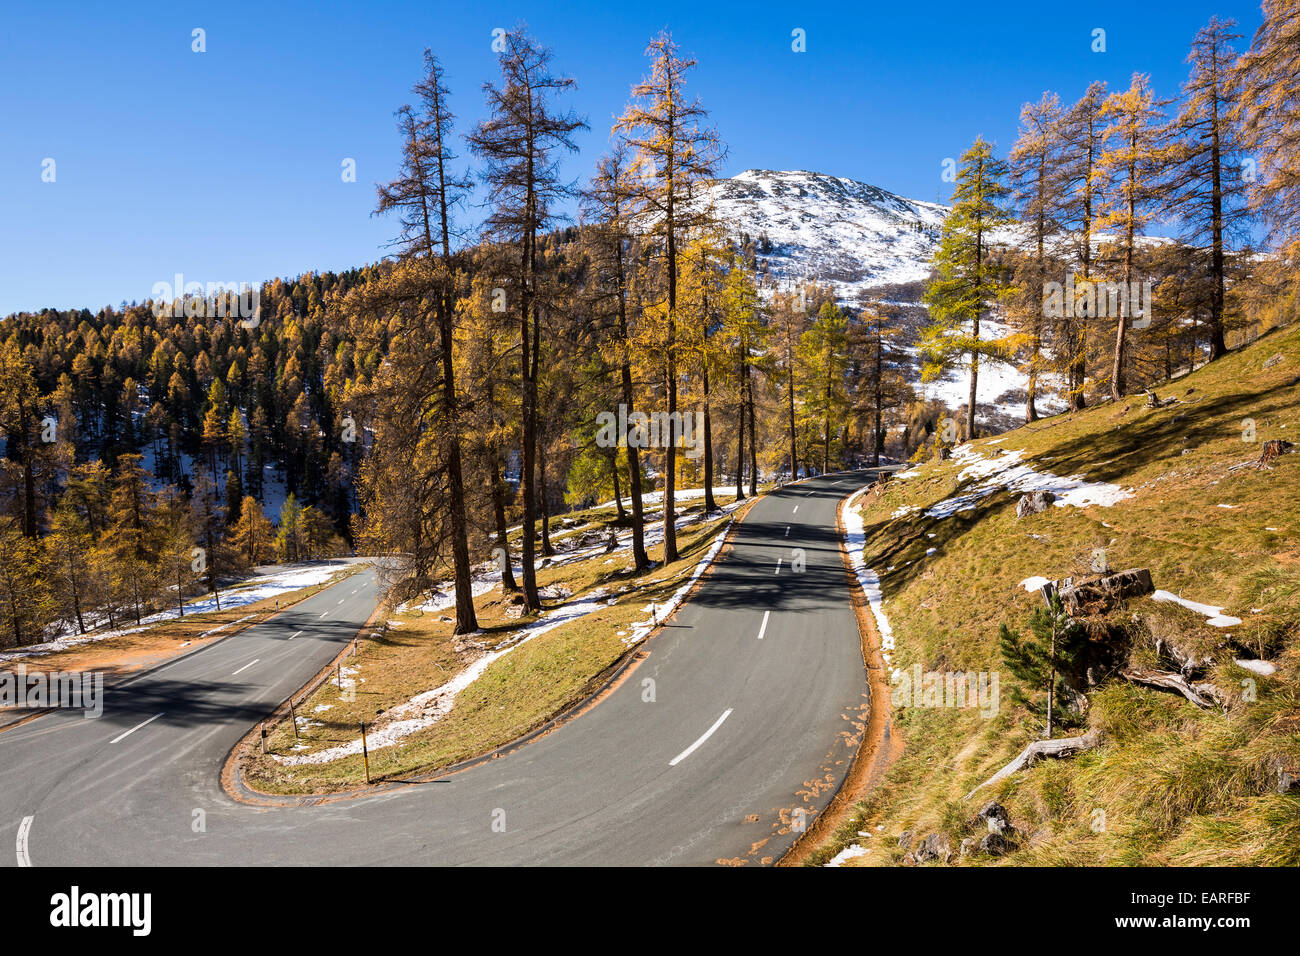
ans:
(1174, 785)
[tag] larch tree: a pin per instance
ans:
(607, 202)
(967, 281)
(1081, 136)
(1130, 166)
(1033, 170)
(520, 143)
(1204, 186)
(674, 151)
(702, 277)
(423, 196)
(1266, 104)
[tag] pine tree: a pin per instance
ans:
(1041, 663)
(967, 283)
(824, 358)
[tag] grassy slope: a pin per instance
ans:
(1176, 785)
(517, 693)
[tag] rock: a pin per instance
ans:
(968, 846)
(905, 840)
(933, 847)
(1269, 363)
(995, 844)
(1034, 503)
(1287, 780)
(994, 815)
(1101, 595)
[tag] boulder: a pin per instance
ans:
(1034, 503)
(934, 847)
(995, 844)
(905, 840)
(994, 816)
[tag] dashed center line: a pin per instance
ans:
(707, 734)
(295, 634)
(778, 566)
(24, 829)
(787, 531)
(128, 733)
(796, 510)
(249, 664)
(341, 600)
(763, 630)
(326, 614)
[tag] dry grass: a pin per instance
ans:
(1174, 785)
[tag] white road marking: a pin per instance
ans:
(778, 566)
(24, 829)
(341, 600)
(787, 531)
(796, 510)
(134, 729)
(763, 630)
(295, 634)
(707, 734)
(326, 614)
(247, 666)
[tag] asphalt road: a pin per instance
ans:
(753, 679)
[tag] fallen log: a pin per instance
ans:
(1202, 695)
(1058, 747)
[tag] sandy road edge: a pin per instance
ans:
(603, 684)
(875, 752)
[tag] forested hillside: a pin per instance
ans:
(421, 406)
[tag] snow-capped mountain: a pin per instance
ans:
(840, 231)
(857, 238)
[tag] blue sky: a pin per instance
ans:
(225, 165)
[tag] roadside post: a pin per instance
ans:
(365, 753)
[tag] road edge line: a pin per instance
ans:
(875, 752)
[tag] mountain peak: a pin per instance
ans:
(847, 233)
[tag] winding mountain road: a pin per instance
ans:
(757, 680)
